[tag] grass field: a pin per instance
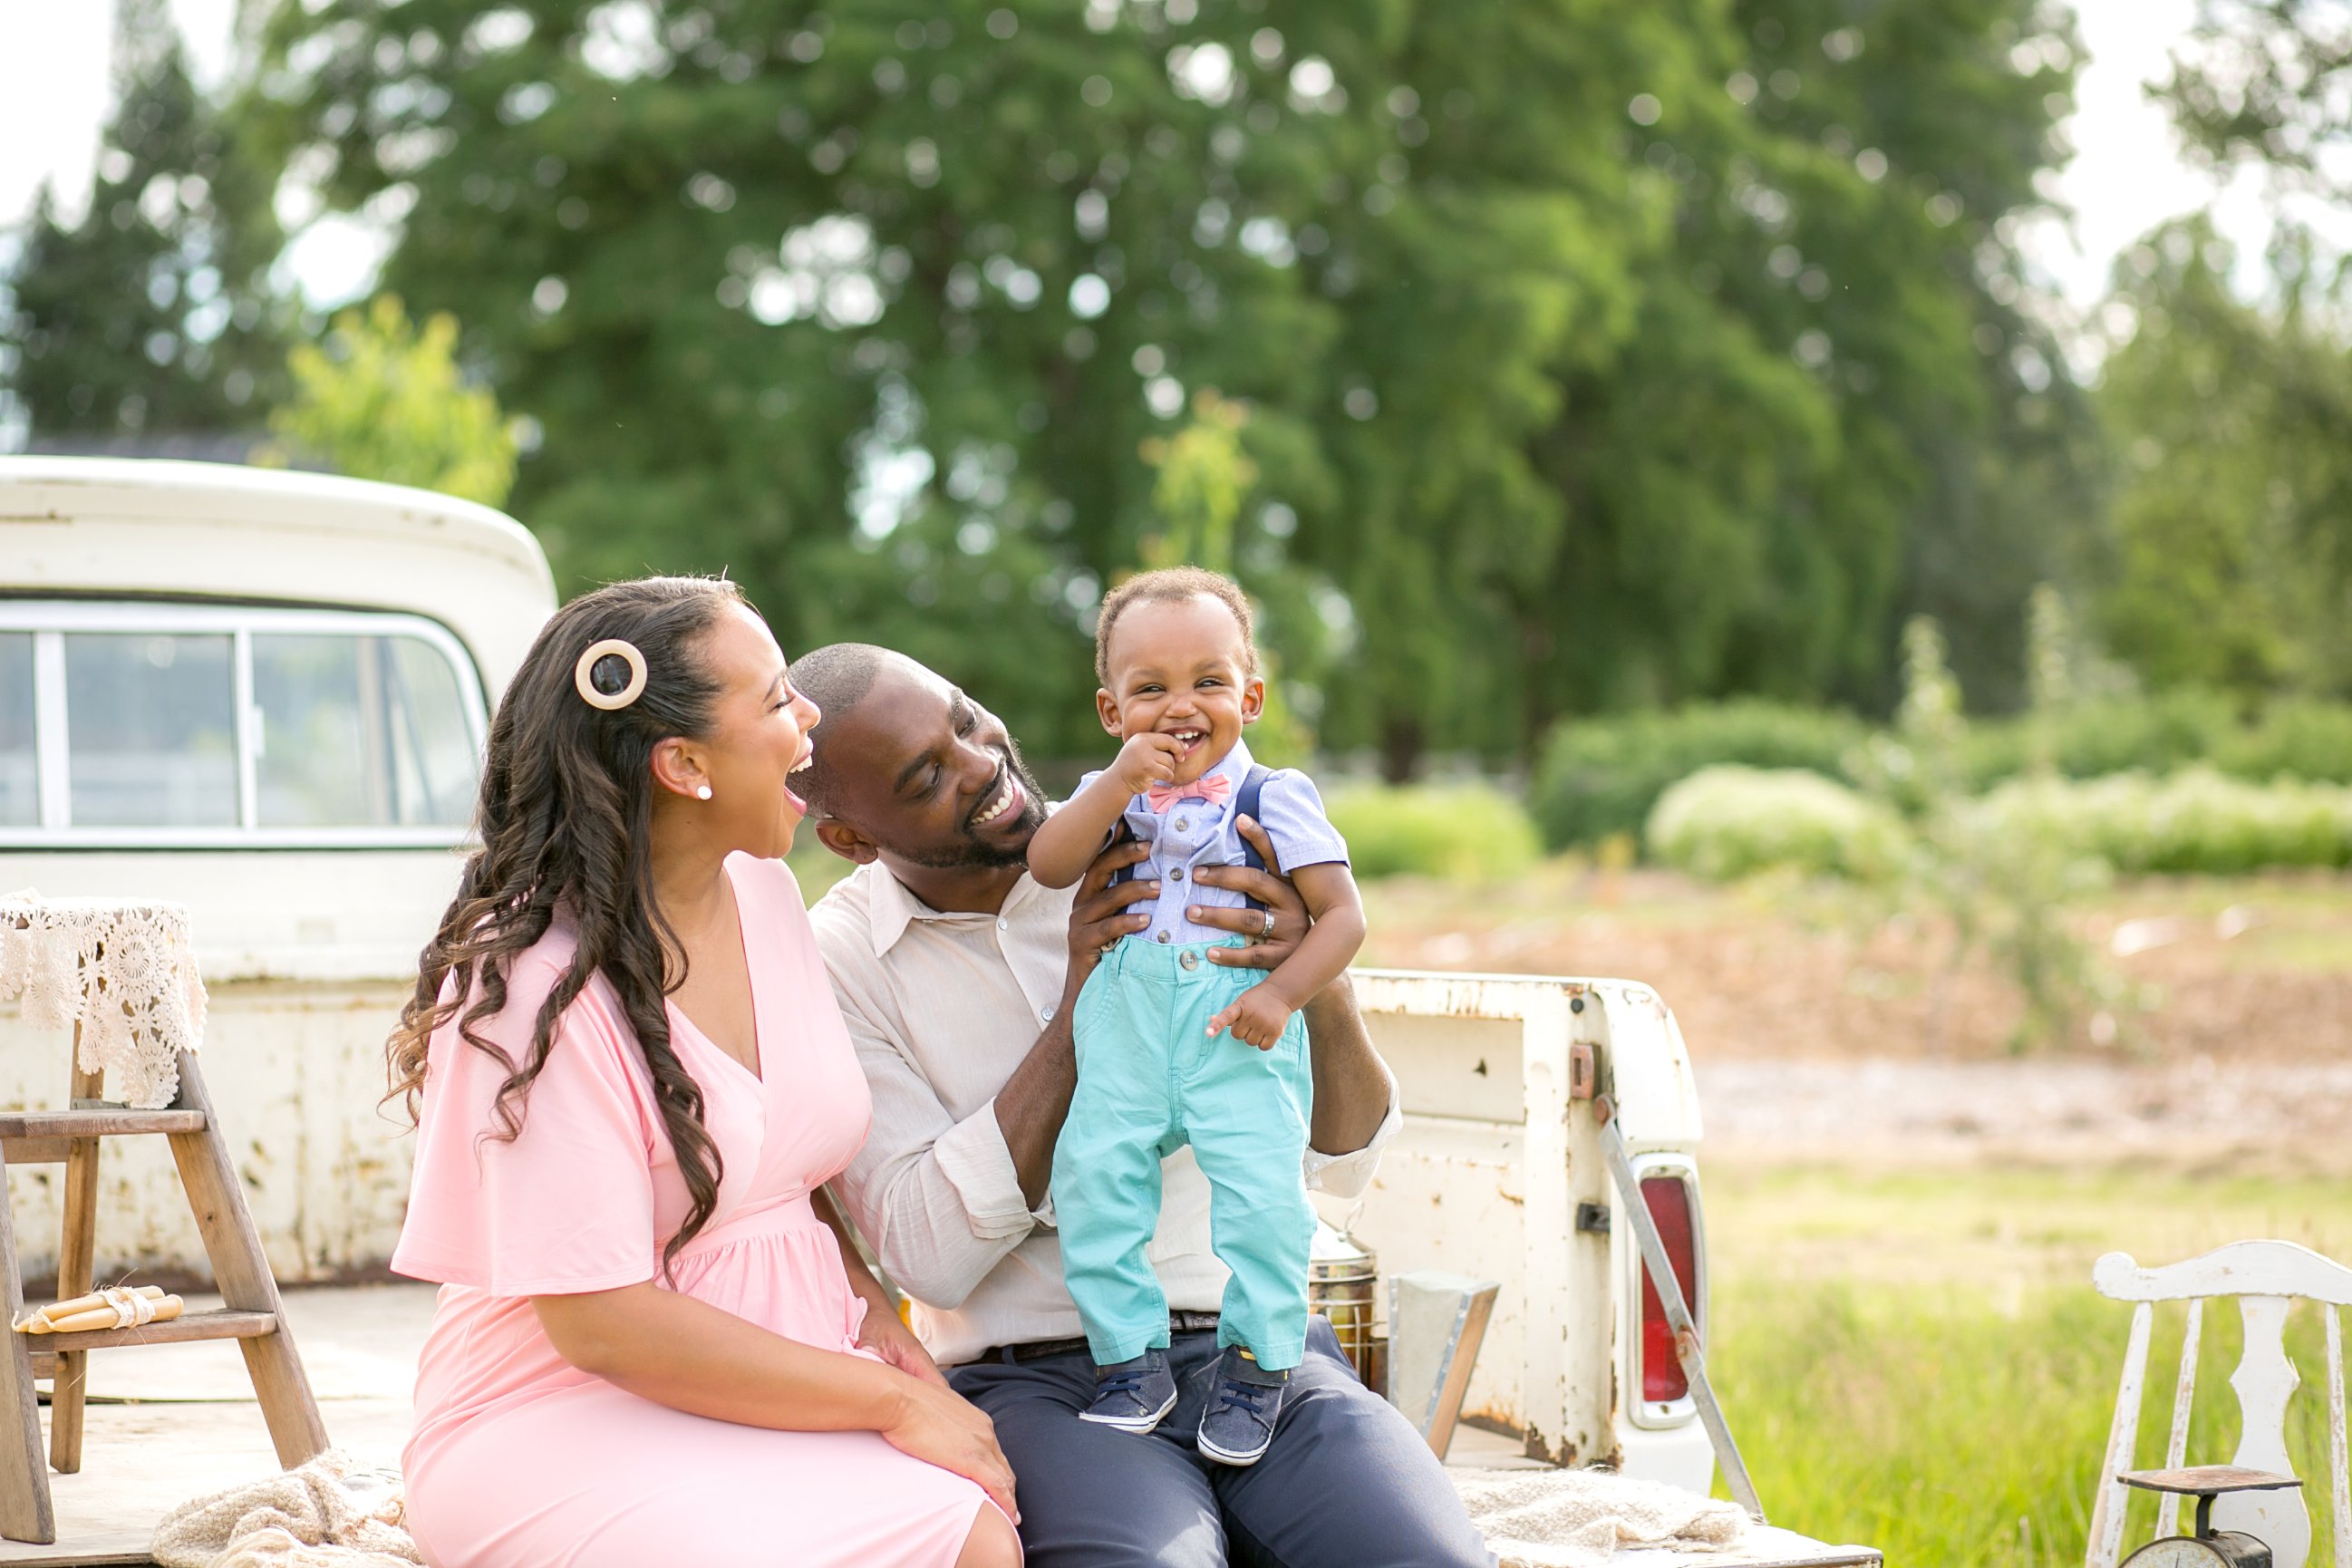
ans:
(1920, 1364)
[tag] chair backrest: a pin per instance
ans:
(2265, 1277)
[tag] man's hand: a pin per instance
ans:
(895, 1343)
(1268, 948)
(1146, 759)
(1102, 913)
(1258, 1017)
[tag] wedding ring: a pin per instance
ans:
(1265, 932)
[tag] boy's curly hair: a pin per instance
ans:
(1172, 585)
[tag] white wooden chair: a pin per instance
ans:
(2265, 1277)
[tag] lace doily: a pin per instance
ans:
(124, 971)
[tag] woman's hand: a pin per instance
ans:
(945, 1429)
(894, 1343)
(1268, 946)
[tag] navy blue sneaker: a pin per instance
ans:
(1244, 1402)
(1132, 1395)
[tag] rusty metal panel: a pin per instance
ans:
(1489, 1186)
(1449, 1196)
(1469, 1068)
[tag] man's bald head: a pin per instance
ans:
(907, 767)
(836, 678)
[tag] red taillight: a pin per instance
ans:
(1670, 1209)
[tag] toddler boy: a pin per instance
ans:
(1174, 1047)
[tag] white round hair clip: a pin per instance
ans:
(583, 674)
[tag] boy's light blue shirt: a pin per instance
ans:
(1194, 832)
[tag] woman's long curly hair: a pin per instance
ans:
(565, 819)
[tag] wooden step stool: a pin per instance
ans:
(251, 1314)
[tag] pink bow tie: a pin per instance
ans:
(1213, 787)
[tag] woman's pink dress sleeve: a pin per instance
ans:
(566, 1206)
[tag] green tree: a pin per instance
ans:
(2231, 531)
(876, 306)
(1205, 478)
(379, 400)
(752, 264)
(1833, 412)
(151, 313)
(2263, 82)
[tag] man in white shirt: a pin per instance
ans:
(956, 973)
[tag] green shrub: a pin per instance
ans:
(1465, 832)
(2303, 740)
(2197, 821)
(2091, 739)
(1727, 822)
(1602, 776)
(2166, 733)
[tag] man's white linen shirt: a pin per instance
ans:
(942, 1007)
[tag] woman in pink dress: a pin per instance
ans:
(651, 1345)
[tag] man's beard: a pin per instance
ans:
(973, 852)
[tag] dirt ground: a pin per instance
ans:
(1824, 1026)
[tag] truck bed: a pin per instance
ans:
(168, 1423)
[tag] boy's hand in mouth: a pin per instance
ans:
(1147, 759)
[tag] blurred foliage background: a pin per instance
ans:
(1544, 359)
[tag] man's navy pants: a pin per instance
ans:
(1348, 1484)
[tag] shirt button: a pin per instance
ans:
(1046, 1014)
(1161, 937)
(1176, 873)
(1180, 824)
(1004, 925)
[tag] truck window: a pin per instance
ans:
(151, 728)
(190, 726)
(20, 800)
(359, 731)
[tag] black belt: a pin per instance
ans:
(1040, 1350)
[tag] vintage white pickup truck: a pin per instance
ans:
(264, 695)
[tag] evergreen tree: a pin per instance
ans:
(148, 315)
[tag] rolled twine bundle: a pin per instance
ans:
(118, 1307)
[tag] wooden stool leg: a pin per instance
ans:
(76, 1260)
(242, 1271)
(25, 1513)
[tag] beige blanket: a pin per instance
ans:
(1577, 1519)
(333, 1512)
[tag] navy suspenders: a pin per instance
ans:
(1246, 801)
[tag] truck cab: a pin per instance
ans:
(262, 695)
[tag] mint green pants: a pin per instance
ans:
(1151, 1080)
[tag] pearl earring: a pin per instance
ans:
(703, 792)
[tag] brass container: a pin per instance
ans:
(1343, 1285)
